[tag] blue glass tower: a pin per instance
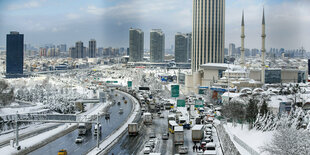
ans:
(14, 53)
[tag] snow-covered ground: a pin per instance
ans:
(36, 139)
(253, 138)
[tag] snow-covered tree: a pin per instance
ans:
(289, 141)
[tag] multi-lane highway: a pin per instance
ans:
(68, 141)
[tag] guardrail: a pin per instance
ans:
(108, 146)
(228, 146)
(245, 146)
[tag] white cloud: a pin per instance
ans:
(27, 5)
(72, 16)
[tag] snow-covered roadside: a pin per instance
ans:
(31, 129)
(36, 140)
(115, 135)
(253, 138)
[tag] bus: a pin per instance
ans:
(171, 126)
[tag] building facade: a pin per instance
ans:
(182, 49)
(80, 49)
(157, 45)
(208, 38)
(92, 48)
(14, 53)
(136, 45)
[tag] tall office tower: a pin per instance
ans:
(263, 48)
(62, 47)
(189, 45)
(136, 45)
(14, 53)
(181, 48)
(232, 49)
(72, 52)
(92, 48)
(79, 49)
(157, 45)
(208, 32)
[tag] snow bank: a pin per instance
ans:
(254, 138)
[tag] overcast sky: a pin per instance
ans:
(108, 21)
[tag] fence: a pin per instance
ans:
(228, 146)
(245, 146)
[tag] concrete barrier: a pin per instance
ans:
(116, 139)
(46, 141)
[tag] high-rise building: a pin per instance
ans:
(62, 47)
(136, 45)
(181, 48)
(79, 49)
(232, 49)
(208, 32)
(189, 45)
(92, 48)
(14, 53)
(157, 45)
(72, 52)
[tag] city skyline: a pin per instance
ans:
(39, 21)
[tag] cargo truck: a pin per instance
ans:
(84, 127)
(147, 118)
(178, 137)
(197, 133)
(132, 129)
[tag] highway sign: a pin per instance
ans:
(129, 84)
(180, 103)
(175, 90)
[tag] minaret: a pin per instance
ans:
(263, 48)
(242, 41)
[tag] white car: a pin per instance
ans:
(79, 139)
(183, 150)
(147, 150)
(210, 149)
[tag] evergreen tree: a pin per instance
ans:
(264, 108)
(251, 111)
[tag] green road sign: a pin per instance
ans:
(199, 103)
(180, 103)
(175, 90)
(112, 82)
(129, 84)
(201, 91)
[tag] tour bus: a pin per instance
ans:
(172, 125)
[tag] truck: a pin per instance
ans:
(147, 117)
(83, 128)
(132, 129)
(97, 129)
(178, 137)
(197, 133)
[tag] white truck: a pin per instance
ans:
(147, 117)
(84, 127)
(97, 129)
(197, 133)
(178, 137)
(132, 129)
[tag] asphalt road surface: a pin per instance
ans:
(68, 141)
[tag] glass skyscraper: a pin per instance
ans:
(14, 53)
